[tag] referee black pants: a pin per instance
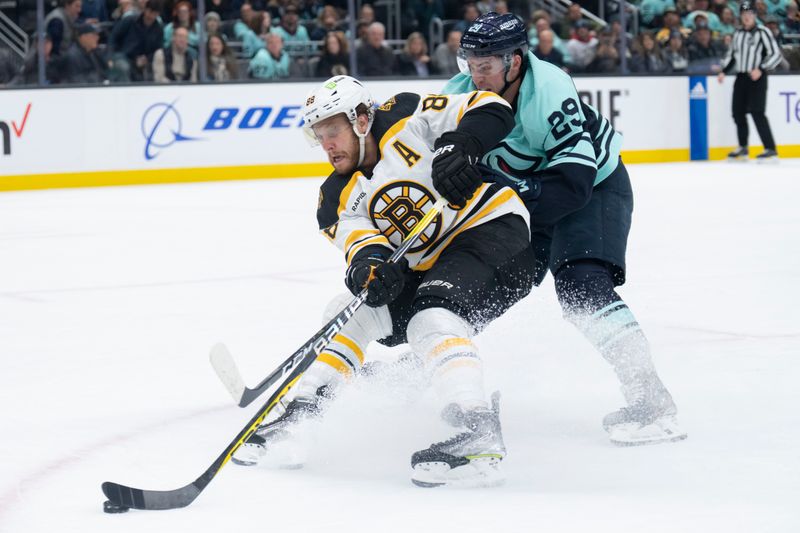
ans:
(751, 97)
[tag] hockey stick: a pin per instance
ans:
(122, 497)
(229, 374)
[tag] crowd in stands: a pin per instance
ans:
(117, 41)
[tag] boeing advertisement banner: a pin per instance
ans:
(116, 135)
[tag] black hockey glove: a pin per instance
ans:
(454, 172)
(383, 281)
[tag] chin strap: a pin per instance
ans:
(507, 83)
(362, 139)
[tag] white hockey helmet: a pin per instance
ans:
(339, 94)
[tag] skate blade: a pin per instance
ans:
(738, 159)
(248, 454)
(767, 160)
(276, 458)
(663, 430)
(647, 442)
(479, 472)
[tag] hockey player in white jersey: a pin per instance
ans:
(471, 264)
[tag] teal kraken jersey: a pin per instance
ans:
(556, 137)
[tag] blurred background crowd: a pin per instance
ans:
(166, 41)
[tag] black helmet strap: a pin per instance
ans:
(506, 82)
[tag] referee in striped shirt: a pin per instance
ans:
(752, 53)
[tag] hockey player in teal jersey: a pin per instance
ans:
(563, 158)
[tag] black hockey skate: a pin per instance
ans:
(767, 156)
(649, 418)
(275, 444)
(740, 154)
(470, 458)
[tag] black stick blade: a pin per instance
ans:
(148, 500)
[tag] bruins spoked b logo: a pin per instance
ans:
(398, 206)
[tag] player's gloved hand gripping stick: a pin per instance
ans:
(121, 497)
(228, 372)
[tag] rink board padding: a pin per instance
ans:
(98, 136)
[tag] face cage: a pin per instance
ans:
(505, 60)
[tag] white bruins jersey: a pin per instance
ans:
(359, 211)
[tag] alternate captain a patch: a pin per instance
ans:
(397, 207)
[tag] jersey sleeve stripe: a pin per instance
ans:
(773, 52)
(391, 132)
(357, 235)
(345, 195)
(606, 146)
(475, 99)
(481, 96)
(349, 250)
(602, 141)
(572, 155)
(460, 115)
(572, 141)
(377, 239)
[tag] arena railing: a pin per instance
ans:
(13, 36)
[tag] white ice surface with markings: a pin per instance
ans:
(110, 300)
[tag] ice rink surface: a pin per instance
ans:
(110, 300)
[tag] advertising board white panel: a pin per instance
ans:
(783, 113)
(185, 133)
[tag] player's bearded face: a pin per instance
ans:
(339, 141)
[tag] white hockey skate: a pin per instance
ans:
(649, 418)
(469, 459)
(282, 442)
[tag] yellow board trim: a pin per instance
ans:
(784, 150)
(169, 175)
(714, 154)
(655, 156)
(108, 178)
